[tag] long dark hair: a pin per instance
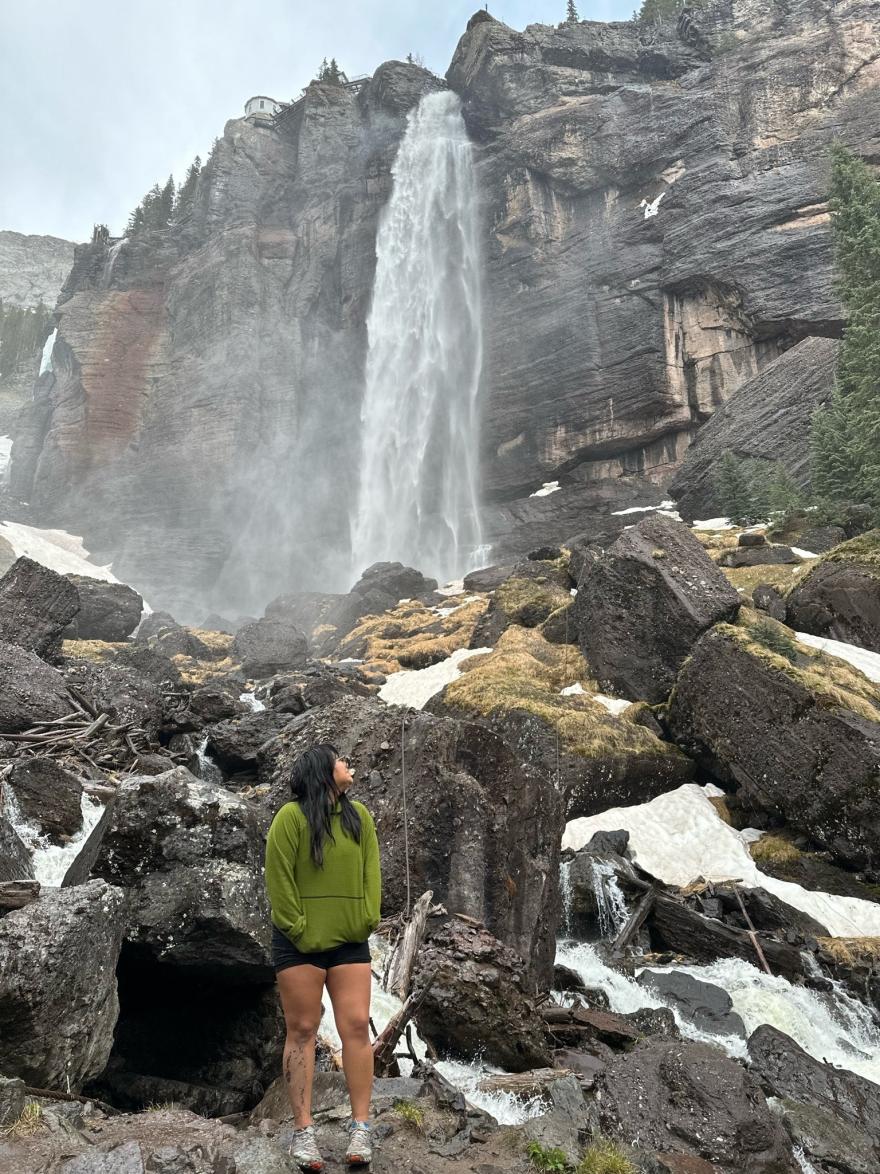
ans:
(314, 788)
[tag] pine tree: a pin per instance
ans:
(333, 72)
(835, 463)
(733, 485)
(187, 191)
(572, 17)
(165, 206)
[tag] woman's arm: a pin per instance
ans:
(281, 848)
(372, 872)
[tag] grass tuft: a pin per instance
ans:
(603, 1156)
(774, 850)
(411, 1114)
(412, 635)
(543, 1158)
(29, 1121)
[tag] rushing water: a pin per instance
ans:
(418, 469)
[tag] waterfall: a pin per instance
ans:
(611, 908)
(418, 495)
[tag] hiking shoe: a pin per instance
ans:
(359, 1150)
(304, 1149)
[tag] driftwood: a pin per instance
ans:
(634, 923)
(523, 1084)
(51, 1094)
(399, 980)
(15, 894)
(385, 1045)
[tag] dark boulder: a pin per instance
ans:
(217, 701)
(821, 539)
(767, 598)
(48, 796)
(378, 590)
(161, 632)
(840, 596)
(487, 579)
(533, 593)
(36, 605)
(234, 744)
(752, 538)
(753, 716)
(310, 611)
(108, 611)
(394, 580)
(708, 1007)
(691, 1098)
(765, 555)
(643, 604)
(477, 1003)
(30, 690)
(58, 1001)
(190, 856)
(125, 694)
(495, 862)
(15, 858)
(269, 646)
(609, 843)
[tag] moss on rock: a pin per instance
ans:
(412, 635)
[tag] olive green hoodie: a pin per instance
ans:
(319, 908)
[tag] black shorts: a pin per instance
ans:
(285, 953)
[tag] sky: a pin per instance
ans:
(100, 99)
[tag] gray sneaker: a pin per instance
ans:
(304, 1149)
(359, 1150)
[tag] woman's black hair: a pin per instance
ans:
(314, 788)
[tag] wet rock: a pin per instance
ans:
(48, 796)
(691, 1098)
(394, 580)
(753, 716)
(707, 1006)
(12, 1101)
(644, 603)
(488, 578)
(58, 1002)
(80, 870)
(767, 598)
(269, 646)
(840, 596)
(36, 605)
(786, 1070)
(30, 690)
(161, 632)
(218, 623)
(108, 611)
(15, 858)
(477, 1004)
(190, 856)
(827, 1141)
(759, 556)
(216, 702)
(307, 610)
(609, 843)
(495, 863)
(235, 744)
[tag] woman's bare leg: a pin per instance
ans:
(300, 988)
(349, 987)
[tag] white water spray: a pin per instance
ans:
(420, 427)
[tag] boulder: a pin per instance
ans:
(30, 690)
(477, 1004)
(534, 591)
(708, 1007)
(269, 646)
(487, 579)
(162, 633)
(797, 731)
(48, 796)
(36, 605)
(234, 744)
(379, 589)
(691, 1098)
(765, 555)
(393, 580)
(108, 611)
(494, 861)
(642, 605)
(115, 688)
(840, 596)
(190, 856)
(58, 1001)
(821, 539)
(15, 858)
(752, 538)
(787, 1071)
(767, 598)
(216, 701)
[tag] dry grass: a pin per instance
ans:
(412, 635)
(98, 651)
(721, 808)
(783, 578)
(200, 672)
(603, 1156)
(525, 673)
(832, 682)
(855, 952)
(29, 1122)
(863, 551)
(775, 850)
(531, 600)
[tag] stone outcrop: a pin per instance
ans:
(484, 833)
(36, 605)
(796, 731)
(840, 596)
(30, 690)
(766, 419)
(32, 268)
(269, 646)
(644, 602)
(58, 1002)
(108, 611)
(667, 198)
(48, 796)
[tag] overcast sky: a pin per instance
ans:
(100, 99)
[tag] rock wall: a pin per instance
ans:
(656, 234)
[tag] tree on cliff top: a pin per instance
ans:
(186, 193)
(572, 17)
(845, 441)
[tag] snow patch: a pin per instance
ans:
(46, 357)
(679, 837)
(713, 524)
(56, 549)
(546, 489)
(863, 659)
(415, 687)
(574, 690)
(803, 553)
(652, 208)
(456, 587)
(663, 507)
(612, 704)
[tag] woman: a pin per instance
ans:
(324, 886)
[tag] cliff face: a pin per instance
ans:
(203, 416)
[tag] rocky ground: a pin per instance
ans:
(555, 698)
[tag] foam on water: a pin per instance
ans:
(253, 702)
(51, 861)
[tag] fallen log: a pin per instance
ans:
(15, 894)
(635, 922)
(400, 974)
(385, 1045)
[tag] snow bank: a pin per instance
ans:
(665, 507)
(56, 549)
(863, 659)
(415, 687)
(679, 837)
(546, 489)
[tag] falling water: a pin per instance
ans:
(611, 908)
(566, 889)
(420, 428)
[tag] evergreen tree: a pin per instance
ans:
(333, 73)
(835, 462)
(22, 334)
(186, 193)
(733, 485)
(165, 205)
(572, 17)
